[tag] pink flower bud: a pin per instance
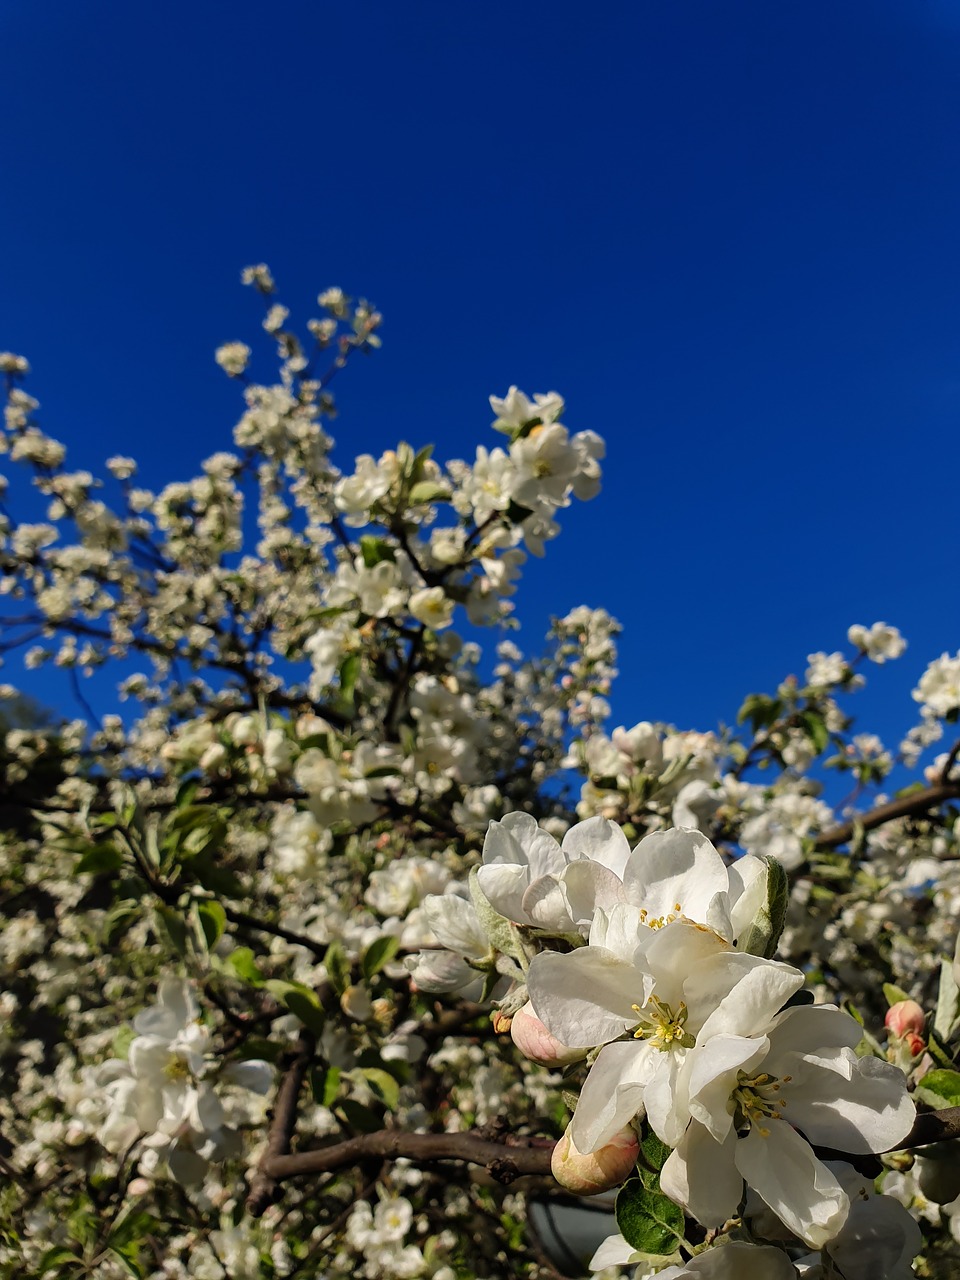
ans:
(608, 1166)
(904, 1017)
(536, 1043)
(916, 1044)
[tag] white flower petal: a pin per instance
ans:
(711, 1073)
(585, 997)
(675, 872)
(783, 1170)
(254, 1074)
(601, 841)
(453, 922)
(745, 992)
(871, 1111)
(701, 1176)
(612, 1093)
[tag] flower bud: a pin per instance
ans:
(916, 1044)
(536, 1043)
(589, 1174)
(903, 1017)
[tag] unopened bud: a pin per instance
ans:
(916, 1044)
(589, 1174)
(536, 1043)
(356, 1003)
(905, 1017)
(501, 1022)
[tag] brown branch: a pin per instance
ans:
(909, 806)
(505, 1161)
(932, 1126)
(950, 761)
(264, 1189)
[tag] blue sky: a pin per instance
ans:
(727, 233)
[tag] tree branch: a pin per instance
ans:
(264, 1189)
(932, 1126)
(909, 806)
(505, 1161)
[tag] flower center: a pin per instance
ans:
(756, 1099)
(658, 922)
(659, 1024)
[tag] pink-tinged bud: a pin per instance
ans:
(904, 1017)
(600, 1170)
(536, 1043)
(916, 1044)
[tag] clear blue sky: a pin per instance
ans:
(726, 232)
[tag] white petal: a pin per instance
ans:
(504, 885)
(781, 1167)
(618, 928)
(537, 848)
(671, 953)
(254, 1074)
(701, 1176)
(499, 844)
(822, 1026)
(612, 1093)
(454, 923)
(748, 891)
(744, 991)
(588, 885)
(439, 971)
(665, 1097)
(871, 1111)
(675, 868)
(711, 1077)
(545, 904)
(613, 1252)
(585, 997)
(601, 841)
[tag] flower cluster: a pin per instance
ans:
(654, 965)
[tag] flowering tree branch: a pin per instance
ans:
(264, 1188)
(908, 806)
(512, 1158)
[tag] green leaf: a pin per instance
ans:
(243, 964)
(893, 995)
(100, 860)
(337, 966)
(349, 670)
(428, 491)
(940, 1089)
(653, 1156)
(300, 1000)
(59, 1256)
(213, 921)
(132, 1226)
(374, 550)
(380, 952)
(325, 1085)
(383, 1085)
(359, 1117)
(123, 1038)
(175, 927)
(816, 729)
(760, 709)
(763, 933)
(649, 1220)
